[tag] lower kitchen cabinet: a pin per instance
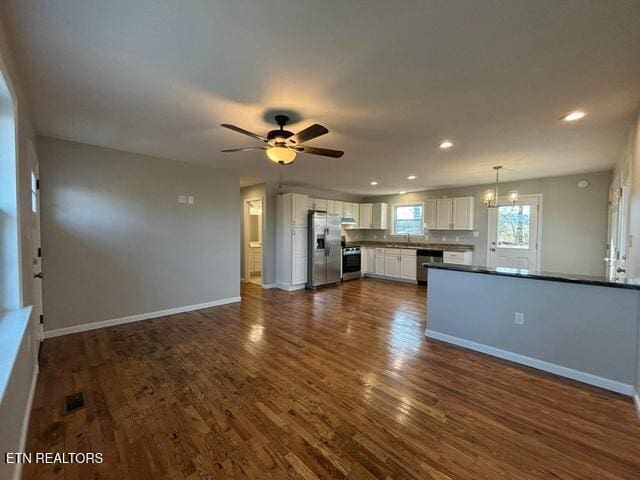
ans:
(392, 265)
(408, 267)
(379, 268)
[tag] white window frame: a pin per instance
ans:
(392, 215)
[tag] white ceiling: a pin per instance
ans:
(389, 80)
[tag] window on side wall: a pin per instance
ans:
(408, 219)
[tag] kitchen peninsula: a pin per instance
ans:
(580, 327)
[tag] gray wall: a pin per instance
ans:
(581, 327)
(574, 226)
(15, 400)
(117, 243)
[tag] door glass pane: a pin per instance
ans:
(513, 226)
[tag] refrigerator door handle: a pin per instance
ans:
(327, 249)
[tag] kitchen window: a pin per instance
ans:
(408, 219)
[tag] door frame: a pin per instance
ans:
(246, 274)
(537, 196)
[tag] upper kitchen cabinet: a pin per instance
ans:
(452, 214)
(373, 216)
(351, 210)
(430, 214)
(299, 210)
(366, 210)
(463, 213)
(444, 213)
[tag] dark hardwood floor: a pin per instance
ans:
(337, 383)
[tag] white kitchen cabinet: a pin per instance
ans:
(373, 216)
(300, 210)
(379, 216)
(366, 215)
(339, 207)
(408, 267)
(291, 241)
(458, 258)
(321, 205)
(331, 206)
(463, 213)
(444, 213)
(392, 264)
(369, 257)
(430, 214)
(355, 213)
(379, 261)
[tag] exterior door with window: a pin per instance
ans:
(35, 240)
(513, 234)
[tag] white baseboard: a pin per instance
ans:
(269, 285)
(289, 288)
(390, 279)
(584, 377)
(136, 318)
(636, 400)
(24, 432)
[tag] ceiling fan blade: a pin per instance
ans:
(244, 149)
(243, 131)
(309, 133)
(325, 152)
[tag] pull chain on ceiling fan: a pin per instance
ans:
(283, 145)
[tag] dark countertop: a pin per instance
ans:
(445, 247)
(596, 280)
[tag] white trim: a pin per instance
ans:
(24, 432)
(289, 288)
(267, 286)
(584, 377)
(136, 318)
(636, 401)
(538, 229)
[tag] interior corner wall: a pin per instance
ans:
(116, 241)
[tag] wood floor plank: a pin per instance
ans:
(329, 384)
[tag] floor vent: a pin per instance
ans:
(73, 402)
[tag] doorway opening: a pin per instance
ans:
(252, 248)
(514, 233)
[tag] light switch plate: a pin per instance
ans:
(190, 199)
(182, 199)
(519, 318)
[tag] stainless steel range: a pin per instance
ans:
(351, 262)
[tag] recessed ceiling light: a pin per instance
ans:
(411, 177)
(374, 183)
(446, 144)
(573, 116)
(402, 192)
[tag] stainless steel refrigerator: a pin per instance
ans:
(324, 256)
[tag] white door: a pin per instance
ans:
(617, 231)
(408, 267)
(444, 207)
(514, 234)
(35, 240)
(391, 265)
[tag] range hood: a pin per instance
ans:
(348, 221)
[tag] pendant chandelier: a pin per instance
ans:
(491, 197)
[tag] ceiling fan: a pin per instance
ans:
(283, 145)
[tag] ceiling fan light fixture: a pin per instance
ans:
(281, 155)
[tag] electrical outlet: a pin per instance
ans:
(519, 318)
(457, 239)
(476, 233)
(444, 239)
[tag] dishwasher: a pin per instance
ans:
(424, 256)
